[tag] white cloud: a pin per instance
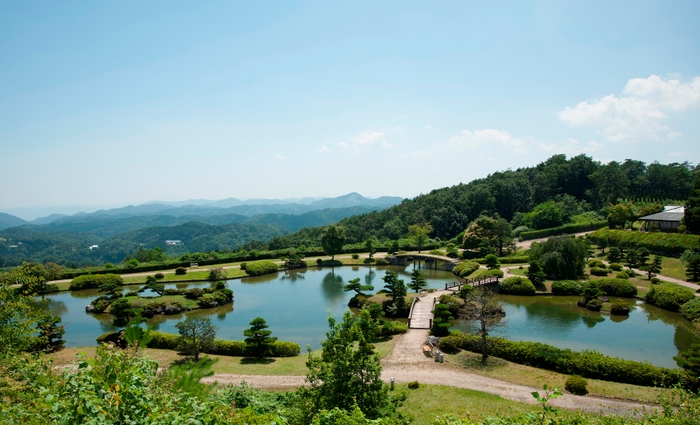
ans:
(371, 138)
(491, 138)
(278, 156)
(640, 111)
(343, 145)
(324, 149)
(430, 127)
(571, 147)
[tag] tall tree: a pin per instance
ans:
(487, 231)
(198, 334)
(535, 273)
(692, 208)
(487, 314)
(611, 182)
(654, 267)
(370, 246)
(419, 234)
(396, 289)
(258, 342)
(332, 240)
(562, 257)
(348, 372)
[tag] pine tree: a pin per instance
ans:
(259, 342)
(417, 281)
(654, 267)
(692, 209)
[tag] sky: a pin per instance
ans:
(106, 104)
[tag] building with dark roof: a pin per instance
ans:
(668, 220)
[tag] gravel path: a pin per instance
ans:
(407, 362)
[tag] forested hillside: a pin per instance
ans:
(578, 184)
(7, 220)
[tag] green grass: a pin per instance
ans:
(672, 267)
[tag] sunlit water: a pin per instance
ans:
(296, 306)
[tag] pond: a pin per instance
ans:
(296, 306)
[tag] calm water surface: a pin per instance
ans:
(296, 305)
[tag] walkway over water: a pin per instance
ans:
(421, 315)
(418, 256)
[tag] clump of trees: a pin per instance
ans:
(561, 257)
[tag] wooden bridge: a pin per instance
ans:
(421, 314)
(403, 259)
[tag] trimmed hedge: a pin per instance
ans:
(614, 287)
(515, 259)
(483, 273)
(222, 347)
(257, 268)
(516, 285)
(94, 281)
(671, 298)
(567, 287)
(465, 268)
(597, 271)
(657, 242)
(691, 309)
(587, 363)
(561, 230)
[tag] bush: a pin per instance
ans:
(194, 293)
(465, 268)
(485, 273)
(168, 341)
(164, 341)
(566, 287)
(622, 275)
(587, 363)
(691, 309)
(217, 273)
(614, 287)
(355, 256)
(180, 271)
(227, 348)
(319, 261)
(131, 294)
(596, 263)
(159, 276)
(382, 262)
(516, 285)
(285, 349)
(671, 298)
(243, 266)
(257, 268)
(576, 385)
(413, 385)
(594, 305)
(393, 327)
(619, 308)
(615, 267)
(655, 280)
(94, 281)
(562, 230)
(597, 271)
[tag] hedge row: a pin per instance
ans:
(167, 341)
(94, 281)
(562, 230)
(567, 287)
(465, 268)
(670, 298)
(691, 309)
(516, 285)
(615, 287)
(515, 259)
(588, 363)
(657, 242)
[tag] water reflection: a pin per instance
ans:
(591, 320)
(332, 285)
(292, 276)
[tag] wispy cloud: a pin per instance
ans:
(324, 149)
(492, 138)
(639, 113)
(278, 156)
(366, 140)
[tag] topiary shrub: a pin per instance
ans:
(319, 261)
(655, 280)
(620, 308)
(159, 276)
(355, 256)
(451, 343)
(576, 385)
(615, 267)
(622, 275)
(393, 327)
(594, 305)
(614, 287)
(285, 349)
(413, 385)
(516, 285)
(596, 263)
(691, 309)
(597, 271)
(257, 268)
(243, 266)
(131, 294)
(566, 287)
(194, 293)
(630, 273)
(94, 281)
(668, 298)
(465, 268)
(382, 262)
(180, 271)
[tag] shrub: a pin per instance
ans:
(630, 273)
(619, 308)
(614, 287)
(131, 294)
(257, 268)
(691, 309)
(94, 281)
(243, 266)
(319, 261)
(393, 327)
(217, 273)
(562, 230)
(566, 287)
(194, 293)
(671, 298)
(594, 305)
(657, 242)
(655, 280)
(175, 292)
(355, 256)
(228, 348)
(597, 271)
(285, 349)
(413, 385)
(484, 273)
(159, 276)
(180, 271)
(622, 275)
(596, 263)
(576, 385)
(164, 341)
(516, 285)
(615, 266)
(465, 268)
(169, 341)
(382, 262)
(587, 363)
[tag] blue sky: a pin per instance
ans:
(115, 103)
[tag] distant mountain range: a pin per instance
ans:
(200, 224)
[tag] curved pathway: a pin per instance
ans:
(407, 362)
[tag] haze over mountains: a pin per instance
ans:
(201, 225)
